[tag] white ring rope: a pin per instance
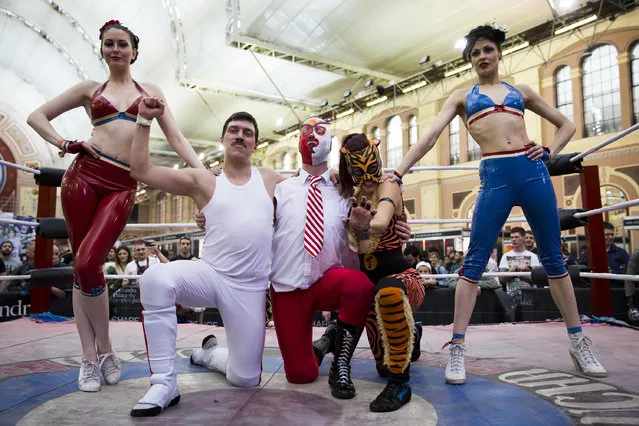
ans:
(159, 225)
(193, 225)
(620, 277)
(19, 167)
(412, 169)
(429, 168)
(436, 221)
(18, 222)
(14, 277)
(620, 206)
(128, 226)
(608, 141)
(116, 277)
(27, 277)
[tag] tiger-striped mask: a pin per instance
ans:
(365, 164)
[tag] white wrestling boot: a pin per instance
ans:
(455, 369)
(89, 378)
(160, 329)
(580, 350)
(211, 355)
(198, 355)
(110, 367)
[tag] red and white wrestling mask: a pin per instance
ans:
(315, 141)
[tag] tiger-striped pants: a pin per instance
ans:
(390, 323)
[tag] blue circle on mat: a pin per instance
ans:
(479, 402)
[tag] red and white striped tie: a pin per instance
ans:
(314, 229)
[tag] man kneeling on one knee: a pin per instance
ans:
(231, 276)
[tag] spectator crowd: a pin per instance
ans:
(136, 258)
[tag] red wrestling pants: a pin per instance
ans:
(345, 290)
(97, 199)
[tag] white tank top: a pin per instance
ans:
(239, 232)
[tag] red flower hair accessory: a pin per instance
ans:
(108, 24)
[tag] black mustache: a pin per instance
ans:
(239, 142)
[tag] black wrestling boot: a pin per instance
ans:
(339, 377)
(396, 393)
(392, 398)
(325, 344)
(417, 347)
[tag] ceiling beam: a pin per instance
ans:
(241, 41)
(307, 59)
(252, 95)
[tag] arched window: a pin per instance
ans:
(333, 158)
(453, 140)
(634, 66)
(474, 151)
(602, 101)
(412, 131)
(563, 91)
(394, 142)
(286, 162)
(471, 210)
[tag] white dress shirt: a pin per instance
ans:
(292, 267)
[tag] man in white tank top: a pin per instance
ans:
(303, 283)
(231, 276)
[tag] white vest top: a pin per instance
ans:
(239, 232)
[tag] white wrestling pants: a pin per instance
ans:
(196, 283)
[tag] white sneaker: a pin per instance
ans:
(455, 369)
(584, 359)
(89, 378)
(110, 367)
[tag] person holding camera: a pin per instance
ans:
(146, 255)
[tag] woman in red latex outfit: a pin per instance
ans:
(97, 190)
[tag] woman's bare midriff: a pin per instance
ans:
(500, 132)
(114, 139)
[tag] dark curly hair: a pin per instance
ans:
(135, 40)
(495, 35)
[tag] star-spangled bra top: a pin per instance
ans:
(479, 105)
(103, 111)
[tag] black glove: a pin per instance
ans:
(560, 164)
(567, 220)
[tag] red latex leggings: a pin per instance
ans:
(97, 199)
